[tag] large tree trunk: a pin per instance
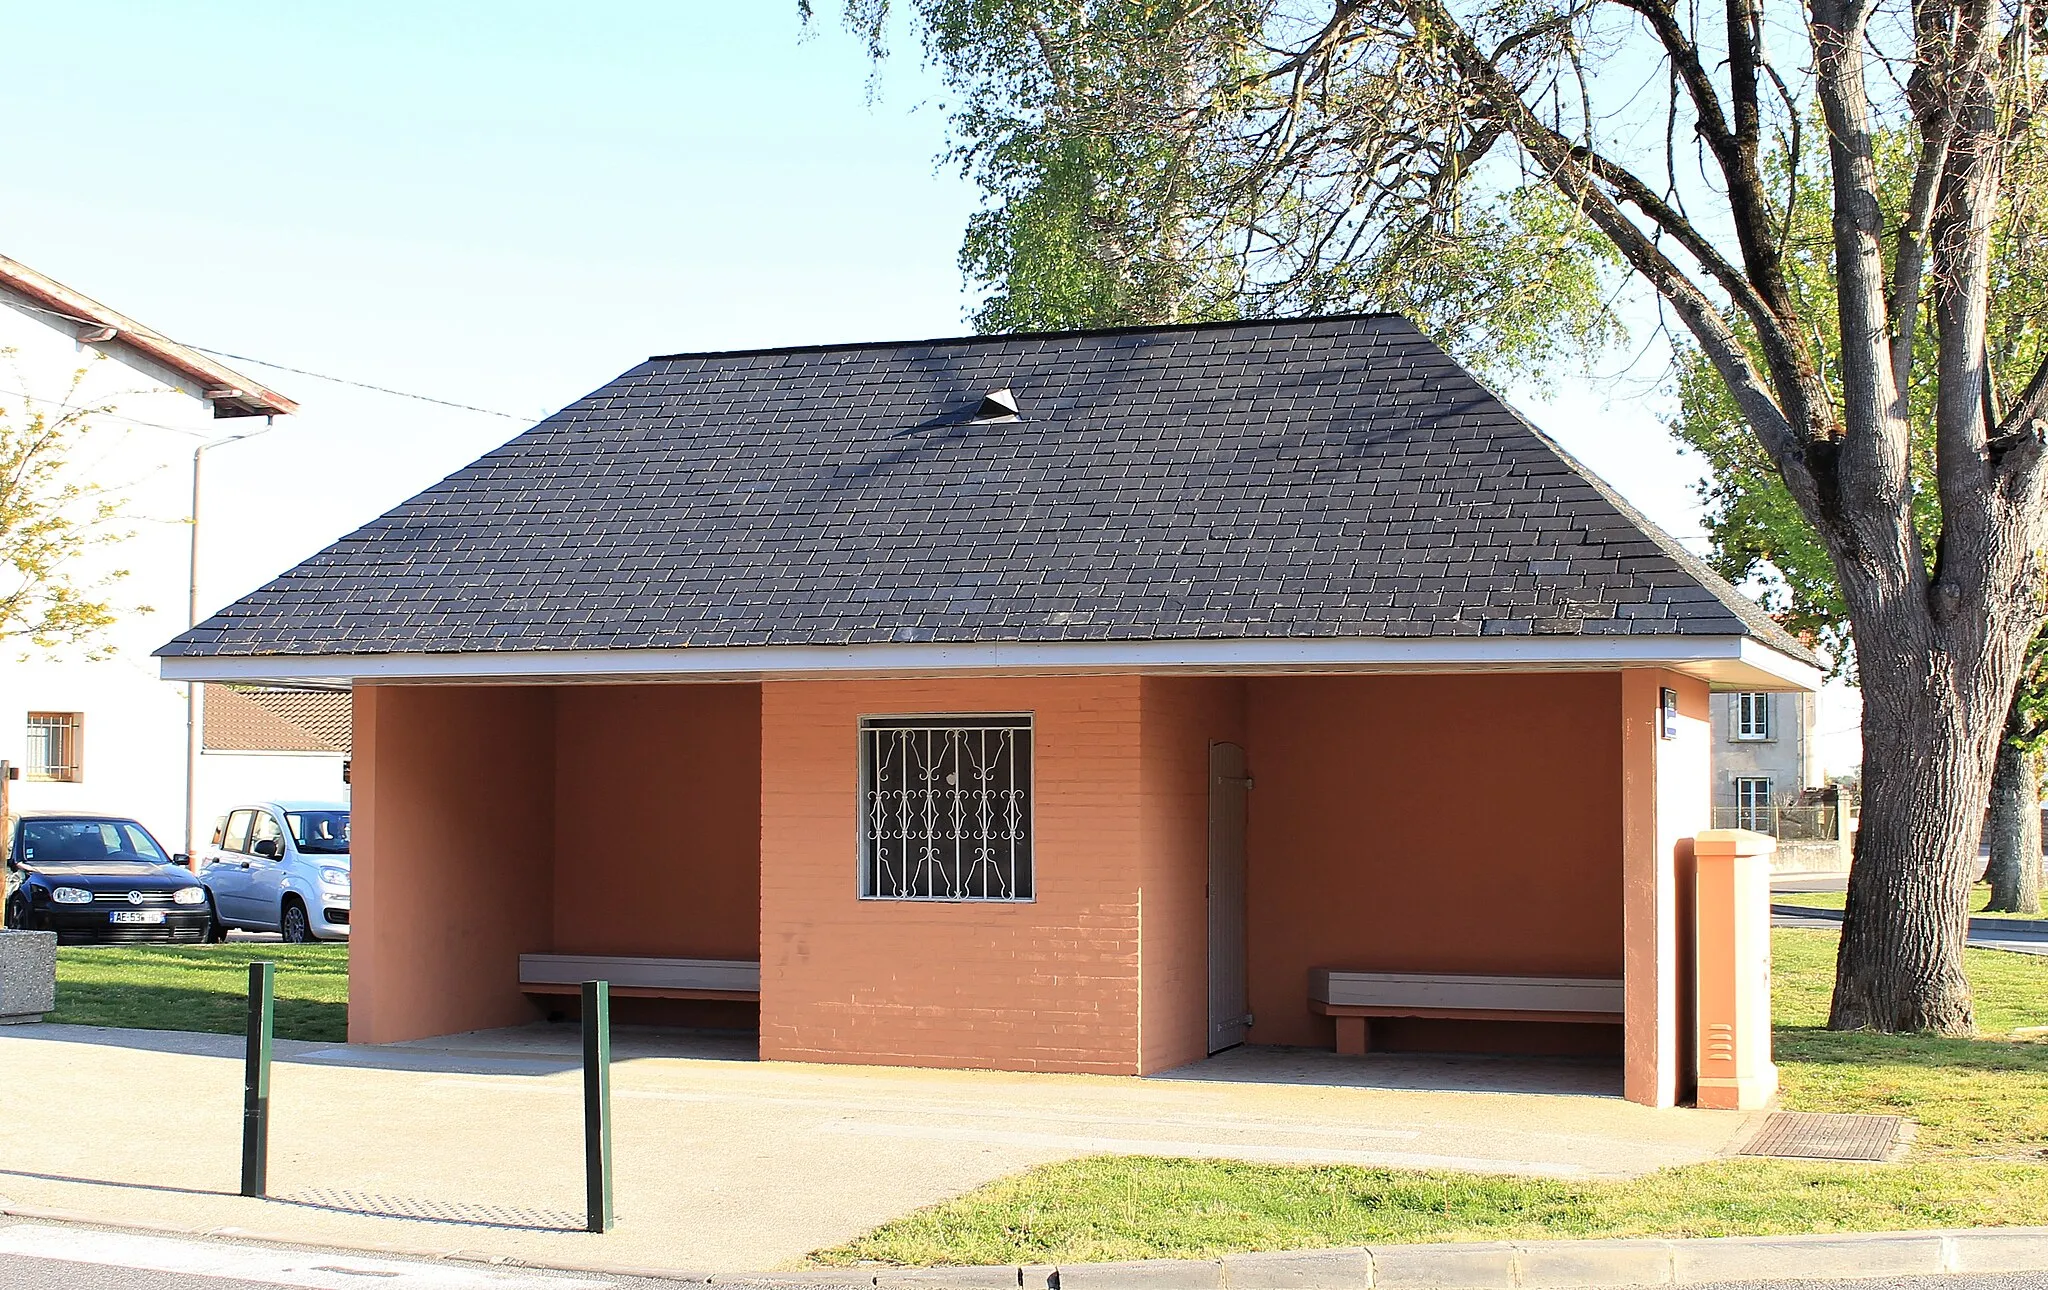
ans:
(2015, 825)
(1933, 717)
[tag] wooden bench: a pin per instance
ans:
(642, 978)
(1354, 998)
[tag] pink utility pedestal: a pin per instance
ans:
(1733, 911)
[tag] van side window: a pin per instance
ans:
(238, 831)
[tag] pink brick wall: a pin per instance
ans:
(1434, 824)
(453, 830)
(1050, 984)
(658, 820)
(1182, 716)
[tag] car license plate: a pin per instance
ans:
(136, 916)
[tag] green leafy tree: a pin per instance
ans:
(1113, 199)
(1481, 164)
(49, 519)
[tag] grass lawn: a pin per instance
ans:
(1981, 1159)
(1980, 896)
(202, 987)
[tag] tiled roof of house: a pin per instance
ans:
(230, 393)
(263, 719)
(1334, 477)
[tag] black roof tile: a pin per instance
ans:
(1332, 477)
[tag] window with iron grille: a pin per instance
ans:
(945, 808)
(1752, 716)
(53, 746)
(1753, 808)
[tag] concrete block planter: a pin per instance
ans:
(28, 976)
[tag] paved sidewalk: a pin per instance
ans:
(725, 1163)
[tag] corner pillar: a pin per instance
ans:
(1665, 802)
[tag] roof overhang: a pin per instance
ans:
(230, 393)
(1725, 662)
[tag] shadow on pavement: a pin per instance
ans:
(462, 1213)
(539, 1049)
(109, 1182)
(1436, 1072)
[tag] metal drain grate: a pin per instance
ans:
(436, 1211)
(1803, 1135)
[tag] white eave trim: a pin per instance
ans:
(1727, 662)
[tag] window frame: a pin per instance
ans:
(227, 840)
(1741, 728)
(1748, 812)
(69, 729)
(256, 834)
(1025, 722)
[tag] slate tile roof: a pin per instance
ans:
(1332, 477)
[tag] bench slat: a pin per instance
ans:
(1451, 991)
(734, 976)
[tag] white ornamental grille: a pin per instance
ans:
(946, 808)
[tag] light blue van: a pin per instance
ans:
(281, 867)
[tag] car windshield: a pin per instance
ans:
(84, 841)
(319, 833)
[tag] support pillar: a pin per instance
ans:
(1666, 788)
(1354, 1036)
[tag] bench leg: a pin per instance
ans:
(1354, 1036)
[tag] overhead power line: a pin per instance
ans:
(360, 385)
(296, 371)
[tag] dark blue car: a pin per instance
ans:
(101, 878)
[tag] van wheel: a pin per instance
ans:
(292, 922)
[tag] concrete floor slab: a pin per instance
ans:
(725, 1162)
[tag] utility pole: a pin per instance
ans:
(193, 735)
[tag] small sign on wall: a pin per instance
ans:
(1667, 726)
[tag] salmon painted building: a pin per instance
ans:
(1079, 702)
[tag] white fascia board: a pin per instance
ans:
(1733, 662)
(1794, 674)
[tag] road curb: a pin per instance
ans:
(1521, 1265)
(1490, 1265)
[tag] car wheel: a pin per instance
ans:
(17, 912)
(215, 932)
(292, 922)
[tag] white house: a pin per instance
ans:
(106, 733)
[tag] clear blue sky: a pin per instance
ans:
(506, 205)
(503, 205)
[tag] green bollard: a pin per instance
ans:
(256, 1079)
(597, 1105)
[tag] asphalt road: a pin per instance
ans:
(83, 1258)
(2012, 942)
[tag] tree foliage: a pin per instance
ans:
(1148, 163)
(49, 519)
(1757, 534)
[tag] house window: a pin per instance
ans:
(1753, 809)
(1752, 716)
(54, 745)
(945, 808)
